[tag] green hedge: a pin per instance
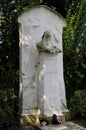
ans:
(78, 105)
(7, 108)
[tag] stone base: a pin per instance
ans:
(67, 115)
(63, 126)
(29, 120)
(34, 119)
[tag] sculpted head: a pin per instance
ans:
(46, 35)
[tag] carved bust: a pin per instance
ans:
(46, 45)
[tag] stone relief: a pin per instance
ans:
(46, 45)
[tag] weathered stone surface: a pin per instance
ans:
(41, 75)
(50, 97)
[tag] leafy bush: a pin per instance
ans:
(74, 45)
(78, 105)
(7, 112)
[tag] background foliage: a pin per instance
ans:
(78, 109)
(74, 58)
(74, 53)
(74, 48)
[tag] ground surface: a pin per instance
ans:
(80, 122)
(64, 126)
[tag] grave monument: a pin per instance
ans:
(42, 86)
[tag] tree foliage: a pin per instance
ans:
(9, 61)
(62, 6)
(9, 57)
(78, 105)
(74, 48)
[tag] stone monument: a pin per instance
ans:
(41, 62)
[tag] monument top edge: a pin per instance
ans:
(27, 9)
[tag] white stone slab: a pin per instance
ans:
(33, 23)
(50, 100)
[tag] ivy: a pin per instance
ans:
(74, 49)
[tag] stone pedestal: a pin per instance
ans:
(51, 97)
